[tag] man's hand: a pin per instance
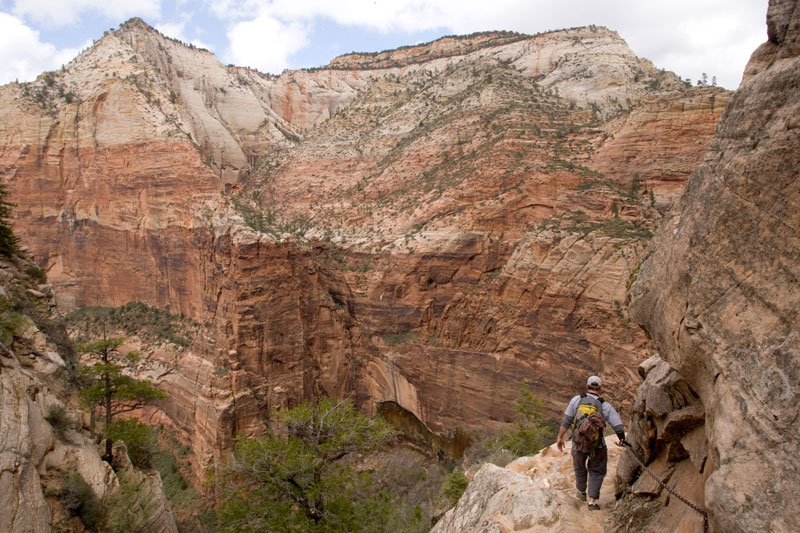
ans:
(562, 433)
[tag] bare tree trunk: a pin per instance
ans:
(109, 457)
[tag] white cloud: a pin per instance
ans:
(266, 43)
(399, 15)
(23, 55)
(56, 13)
(686, 36)
(232, 9)
(383, 15)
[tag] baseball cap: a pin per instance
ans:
(595, 381)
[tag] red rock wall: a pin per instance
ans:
(123, 197)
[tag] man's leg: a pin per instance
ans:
(579, 465)
(597, 471)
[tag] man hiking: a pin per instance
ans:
(587, 415)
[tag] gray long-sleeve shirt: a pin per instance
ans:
(608, 412)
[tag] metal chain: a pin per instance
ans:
(670, 489)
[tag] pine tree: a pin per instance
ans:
(294, 480)
(532, 431)
(110, 391)
(8, 241)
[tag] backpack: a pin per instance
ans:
(588, 425)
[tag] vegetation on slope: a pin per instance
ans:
(134, 318)
(327, 467)
(418, 151)
(295, 480)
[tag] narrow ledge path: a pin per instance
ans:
(531, 495)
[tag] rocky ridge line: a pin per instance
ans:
(532, 494)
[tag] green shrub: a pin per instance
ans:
(56, 332)
(530, 433)
(532, 430)
(9, 322)
(454, 486)
(139, 438)
(134, 318)
(176, 487)
(295, 480)
(36, 274)
(191, 511)
(622, 229)
(482, 446)
(489, 449)
(79, 499)
(60, 421)
(123, 514)
(8, 241)
(395, 339)
(412, 479)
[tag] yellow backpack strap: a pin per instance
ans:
(580, 412)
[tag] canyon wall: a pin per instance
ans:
(44, 442)
(719, 298)
(430, 232)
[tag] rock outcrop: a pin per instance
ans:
(719, 294)
(532, 494)
(667, 434)
(42, 439)
(386, 227)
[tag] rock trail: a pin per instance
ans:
(531, 495)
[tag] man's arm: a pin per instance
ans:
(614, 420)
(566, 423)
(562, 431)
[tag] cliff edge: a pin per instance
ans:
(719, 294)
(716, 417)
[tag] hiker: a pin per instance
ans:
(588, 443)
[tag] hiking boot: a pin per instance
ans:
(594, 507)
(582, 496)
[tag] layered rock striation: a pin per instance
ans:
(429, 226)
(719, 297)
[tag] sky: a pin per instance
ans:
(688, 37)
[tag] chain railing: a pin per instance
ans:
(670, 489)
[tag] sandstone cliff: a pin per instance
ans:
(719, 298)
(43, 440)
(429, 226)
